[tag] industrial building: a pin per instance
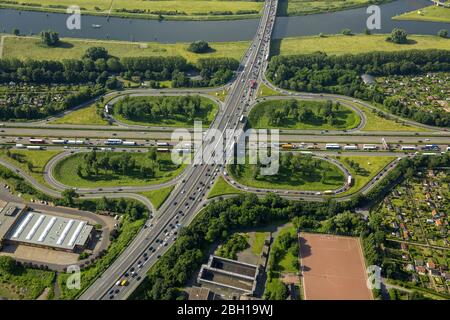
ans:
(229, 274)
(19, 225)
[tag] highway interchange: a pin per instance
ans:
(191, 187)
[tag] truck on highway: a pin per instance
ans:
(328, 192)
(129, 143)
(253, 84)
(370, 147)
(408, 148)
(59, 141)
(20, 146)
(35, 147)
(351, 147)
(431, 147)
(332, 146)
(242, 119)
(38, 141)
(287, 146)
(162, 149)
(78, 142)
(113, 141)
(162, 144)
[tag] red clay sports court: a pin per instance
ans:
(333, 268)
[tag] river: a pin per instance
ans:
(29, 22)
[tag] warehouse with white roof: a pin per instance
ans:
(44, 230)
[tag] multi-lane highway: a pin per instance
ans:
(191, 188)
(190, 193)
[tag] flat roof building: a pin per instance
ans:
(45, 230)
(229, 274)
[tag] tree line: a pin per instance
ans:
(319, 72)
(98, 66)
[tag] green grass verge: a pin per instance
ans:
(128, 232)
(370, 166)
(341, 44)
(377, 123)
(258, 242)
(26, 284)
(31, 48)
(259, 117)
(65, 172)
(87, 115)
(158, 197)
(38, 159)
(431, 13)
(221, 188)
(289, 180)
(265, 91)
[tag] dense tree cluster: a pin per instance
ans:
(199, 47)
(319, 72)
(165, 107)
(300, 111)
(398, 36)
(49, 38)
(95, 164)
(235, 244)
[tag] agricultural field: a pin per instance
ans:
(341, 44)
(172, 111)
(301, 7)
(71, 171)
(296, 172)
(415, 216)
(302, 115)
(32, 48)
(430, 92)
(177, 9)
(431, 13)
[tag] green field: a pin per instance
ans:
(369, 167)
(25, 283)
(265, 91)
(374, 122)
(431, 13)
(323, 176)
(261, 114)
(87, 115)
(66, 172)
(221, 188)
(258, 242)
(301, 7)
(31, 47)
(158, 197)
(207, 113)
(340, 44)
(175, 9)
(37, 158)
